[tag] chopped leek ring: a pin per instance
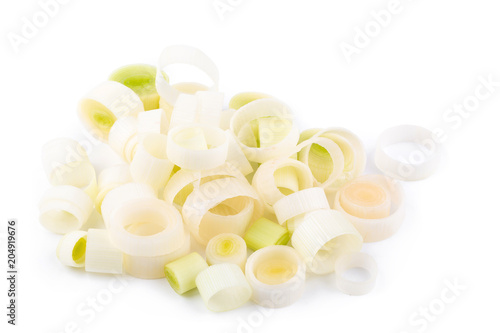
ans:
(64, 208)
(121, 196)
(65, 162)
(204, 107)
(146, 227)
(109, 179)
(104, 104)
(181, 274)
(301, 202)
(71, 248)
(123, 138)
(235, 155)
(180, 54)
(322, 237)
(189, 88)
(152, 267)
(223, 287)
(227, 247)
(189, 156)
(101, 256)
(241, 126)
(242, 99)
(264, 232)
(141, 79)
(150, 164)
(277, 276)
(373, 223)
(355, 260)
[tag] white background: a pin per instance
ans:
(428, 58)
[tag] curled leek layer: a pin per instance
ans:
(299, 203)
(321, 152)
(101, 256)
(197, 147)
(181, 273)
(104, 104)
(71, 248)
(111, 178)
(242, 99)
(152, 267)
(123, 137)
(235, 155)
(182, 182)
(154, 121)
(224, 205)
(204, 107)
(147, 227)
(180, 54)
(141, 78)
(277, 275)
(275, 179)
(264, 232)
(322, 237)
(150, 164)
(65, 162)
(223, 287)
(265, 130)
(64, 208)
(422, 161)
(227, 248)
(120, 197)
(355, 260)
(374, 204)
(189, 88)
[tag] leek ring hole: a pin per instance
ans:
(276, 128)
(98, 116)
(231, 206)
(146, 222)
(78, 174)
(346, 148)
(275, 267)
(58, 217)
(78, 253)
(320, 162)
(408, 152)
(156, 145)
(356, 274)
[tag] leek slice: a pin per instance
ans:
(181, 274)
(299, 203)
(223, 287)
(104, 104)
(123, 138)
(101, 256)
(71, 248)
(242, 99)
(264, 232)
(227, 248)
(141, 78)
(111, 178)
(277, 276)
(204, 107)
(355, 260)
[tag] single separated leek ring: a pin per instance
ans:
(421, 163)
(64, 208)
(277, 276)
(147, 227)
(71, 248)
(299, 203)
(323, 160)
(227, 248)
(180, 54)
(374, 204)
(181, 273)
(65, 162)
(104, 104)
(223, 287)
(322, 237)
(275, 179)
(111, 178)
(197, 147)
(355, 260)
(212, 194)
(152, 267)
(276, 134)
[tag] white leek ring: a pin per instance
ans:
(266, 107)
(71, 248)
(181, 273)
(109, 179)
(421, 163)
(204, 107)
(104, 104)
(277, 275)
(197, 159)
(299, 203)
(101, 256)
(227, 248)
(64, 208)
(223, 287)
(355, 260)
(382, 226)
(323, 237)
(123, 138)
